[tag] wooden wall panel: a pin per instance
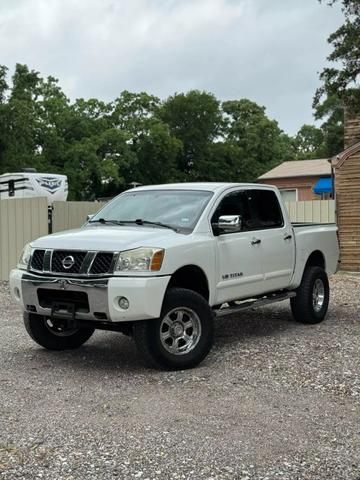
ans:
(317, 211)
(347, 182)
(21, 221)
(68, 215)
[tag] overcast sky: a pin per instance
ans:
(267, 50)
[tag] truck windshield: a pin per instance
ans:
(178, 209)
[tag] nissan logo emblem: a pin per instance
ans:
(68, 262)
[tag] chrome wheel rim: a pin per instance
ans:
(318, 295)
(57, 329)
(180, 331)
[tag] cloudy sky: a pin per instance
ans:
(267, 50)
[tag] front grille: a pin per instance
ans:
(73, 262)
(47, 298)
(102, 263)
(37, 261)
(59, 256)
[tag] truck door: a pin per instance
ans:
(239, 269)
(275, 237)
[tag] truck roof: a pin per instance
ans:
(206, 186)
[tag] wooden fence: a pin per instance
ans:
(317, 211)
(67, 215)
(23, 220)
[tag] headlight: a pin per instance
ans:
(140, 260)
(25, 257)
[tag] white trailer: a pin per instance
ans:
(28, 184)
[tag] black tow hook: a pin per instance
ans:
(63, 315)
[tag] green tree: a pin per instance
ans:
(53, 115)
(103, 147)
(134, 113)
(20, 121)
(224, 162)
(154, 149)
(116, 162)
(342, 79)
(195, 119)
(3, 114)
(3, 83)
(309, 143)
(157, 155)
(262, 143)
(331, 111)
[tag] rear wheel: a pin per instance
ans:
(312, 297)
(54, 335)
(182, 336)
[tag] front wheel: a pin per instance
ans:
(54, 335)
(312, 297)
(182, 336)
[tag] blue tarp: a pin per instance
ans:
(323, 185)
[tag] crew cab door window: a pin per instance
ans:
(238, 262)
(265, 209)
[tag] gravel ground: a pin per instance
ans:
(274, 400)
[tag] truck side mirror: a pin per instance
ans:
(229, 223)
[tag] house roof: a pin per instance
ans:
(299, 168)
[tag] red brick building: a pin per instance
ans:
(298, 179)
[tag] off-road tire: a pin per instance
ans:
(147, 333)
(302, 305)
(36, 327)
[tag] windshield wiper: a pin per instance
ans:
(140, 221)
(103, 221)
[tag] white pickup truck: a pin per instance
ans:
(162, 262)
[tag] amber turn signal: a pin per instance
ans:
(157, 260)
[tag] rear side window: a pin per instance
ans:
(265, 209)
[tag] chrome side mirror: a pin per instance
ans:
(90, 216)
(229, 223)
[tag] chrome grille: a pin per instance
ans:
(102, 263)
(58, 257)
(73, 262)
(37, 260)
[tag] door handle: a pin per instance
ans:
(255, 241)
(287, 236)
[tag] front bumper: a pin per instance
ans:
(145, 295)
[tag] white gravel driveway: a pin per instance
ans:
(274, 400)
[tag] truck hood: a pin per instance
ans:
(107, 238)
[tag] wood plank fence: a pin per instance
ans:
(23, 220)
(317, 211)
(67, 215)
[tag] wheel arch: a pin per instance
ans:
(316, 259)
(191, 277)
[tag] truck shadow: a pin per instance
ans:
(111, 351)
(105, 352)
(259, 322)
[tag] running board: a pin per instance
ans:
(257, 302)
